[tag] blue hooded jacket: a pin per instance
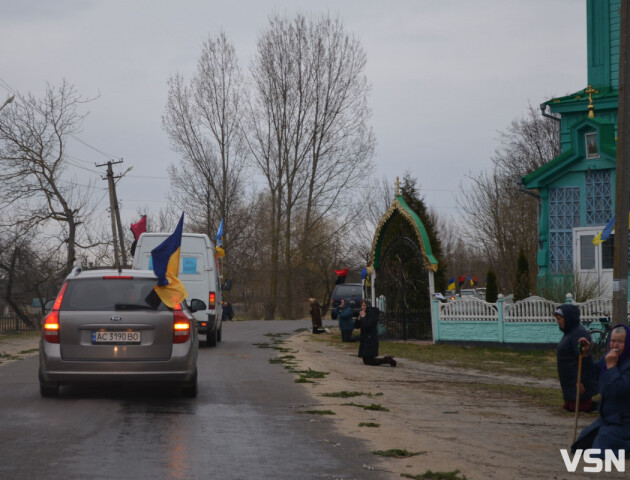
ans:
(613, 425)
(344, 317)
(567, 355)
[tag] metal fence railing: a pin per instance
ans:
(13, 323)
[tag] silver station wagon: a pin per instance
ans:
(110, 326)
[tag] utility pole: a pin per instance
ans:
(115, 215)
(622, 197)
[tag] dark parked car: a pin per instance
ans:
(352, 292)
(110, 326)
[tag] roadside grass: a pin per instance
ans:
(374, 407)
(369, 424)
(319, 412)
(30, 350)
(429, 475)
(7, 356)
(535, 364)
(346, 394)
(397, 453)
(539, 364)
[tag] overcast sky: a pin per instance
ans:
(446, 75)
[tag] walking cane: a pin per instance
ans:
(577, 396)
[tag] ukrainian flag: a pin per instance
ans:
(165, 257)
(451, 284)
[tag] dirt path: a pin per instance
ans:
(439, 412)
(16, 347)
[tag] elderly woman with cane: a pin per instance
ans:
(611, 431)
(568, 318)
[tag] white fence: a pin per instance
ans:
(531, 320)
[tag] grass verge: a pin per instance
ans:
(429, 475)
(396, 453)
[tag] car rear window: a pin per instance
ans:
(97, 294)
(342, 291)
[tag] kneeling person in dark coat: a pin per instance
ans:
(368, 346)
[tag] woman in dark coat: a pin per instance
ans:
(316, 315)
(368, 348)
(568, 318)
(612, 429)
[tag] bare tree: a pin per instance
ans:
(309, 134)
(203, 121)
(500, 219)
(34, 133)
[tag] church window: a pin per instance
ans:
(564, 214)
(599, 200)
(592, 150)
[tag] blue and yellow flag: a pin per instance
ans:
(165, 257)
(604, 235)
(451, 284)
(220, 235)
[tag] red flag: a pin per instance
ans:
(461, 280)
(139, 228)
(341, 275)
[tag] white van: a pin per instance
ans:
(198, 270)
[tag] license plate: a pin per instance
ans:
(116, 337)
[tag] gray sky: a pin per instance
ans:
(446, 75)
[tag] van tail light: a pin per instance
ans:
(212, 300)
(51, 322)
(181, 325)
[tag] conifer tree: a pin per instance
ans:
(521, 286)
(492, 291)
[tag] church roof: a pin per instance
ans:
(400, 207)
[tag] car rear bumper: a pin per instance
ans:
(179, 368)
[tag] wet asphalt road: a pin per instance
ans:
(244, 424)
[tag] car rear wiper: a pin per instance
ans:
(132, 306)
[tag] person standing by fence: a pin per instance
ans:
(568, 318)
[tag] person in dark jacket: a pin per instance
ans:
(346, 322)
(368, 348)
(612, 429)
(568, 318)
(227, 311)
(316, 315)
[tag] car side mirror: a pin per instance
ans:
(227, 285)
(197, 305)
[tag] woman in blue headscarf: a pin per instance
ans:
(612, 429)
(346, 321)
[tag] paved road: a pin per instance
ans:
(243, 425)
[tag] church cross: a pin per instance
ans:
(397, 187)
(590, 90)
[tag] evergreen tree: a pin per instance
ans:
(521, 286)
(411, 195)
(492, 291)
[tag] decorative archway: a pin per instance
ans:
(401, 271)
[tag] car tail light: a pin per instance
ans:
(51, 322)
(117, 277)
(181, 325)
(212, 299)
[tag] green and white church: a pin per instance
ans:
(577, 188)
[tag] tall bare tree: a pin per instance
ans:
(309, 135)
(500, 218)
(36, 191)
(203, 121)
